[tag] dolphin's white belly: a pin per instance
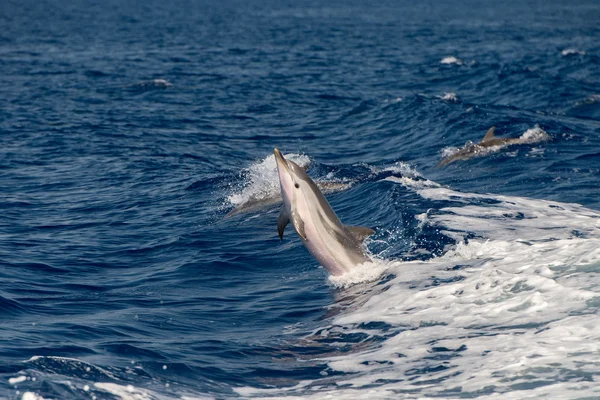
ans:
(322, 242)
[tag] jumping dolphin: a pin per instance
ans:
(335, 246)
(489, 140)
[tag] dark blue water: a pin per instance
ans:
(125, 127)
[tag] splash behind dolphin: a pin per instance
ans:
(335, 246)
(490, 140)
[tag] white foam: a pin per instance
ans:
(128, 392)
(31, 396)
(18, 379)
(535, 135)
(451, 97)
(151, 84)
(162, 82)
(262, 181)
(400, 168)
(409, 182)
(451, 60)
(515, 317)
(450, 151)
(366, 272)
(409, 176)
(571, 52)
(396, 100)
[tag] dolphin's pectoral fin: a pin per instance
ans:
(360, 232)
(282, 222)
(299, 225)
(489, 135)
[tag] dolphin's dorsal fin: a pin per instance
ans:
(282, 222)
(489, 135)
(360, 232)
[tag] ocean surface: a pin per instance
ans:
(139, 255)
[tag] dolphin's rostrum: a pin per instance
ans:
(335, 246)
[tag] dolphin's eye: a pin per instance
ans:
(297, 186)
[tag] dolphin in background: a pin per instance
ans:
(334, 245)
(490, 140)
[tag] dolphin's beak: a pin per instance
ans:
(281, 162)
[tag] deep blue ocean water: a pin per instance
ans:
(128, 131)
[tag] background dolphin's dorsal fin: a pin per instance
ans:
(489, 135)
(360, 232)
